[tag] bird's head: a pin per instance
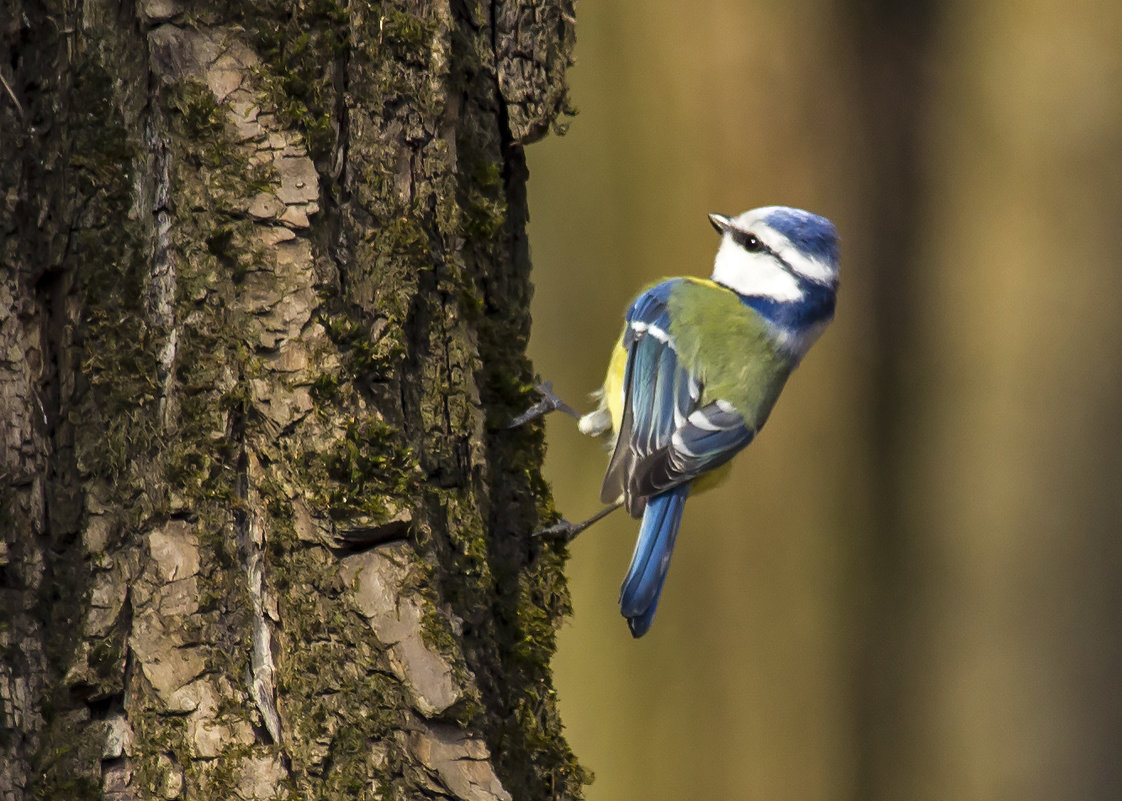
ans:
(777, 253)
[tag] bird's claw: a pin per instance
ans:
(562, 529)
(569, 531)
(548, 403)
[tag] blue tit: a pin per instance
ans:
(696, 372)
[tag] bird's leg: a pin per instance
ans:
(569, 531)
(548, 403)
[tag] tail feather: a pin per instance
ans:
(639, 624)
(638, 598)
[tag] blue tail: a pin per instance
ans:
(638, 598)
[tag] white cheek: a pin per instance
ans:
(753, 274)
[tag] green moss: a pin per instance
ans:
(361, 473)
(111, 264)
(231, 251)
(200, 458)
(325, 389)
(299, 46)
(67, 763)
(111, 351)
(65, 769)
(106, 661)
(338, 689)
(490, 561)
(484, 203)
(433, 289)
(371, 351)
(201, 115)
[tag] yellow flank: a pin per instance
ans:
(708, 480)
(612, 398)
(613, 385)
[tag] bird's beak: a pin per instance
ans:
(720, 222)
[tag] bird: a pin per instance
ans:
(694, 376)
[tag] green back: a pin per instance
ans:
(729, 347)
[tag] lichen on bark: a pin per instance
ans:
(265, 293)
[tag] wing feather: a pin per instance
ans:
(666, 436)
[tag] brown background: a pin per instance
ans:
(909, 587)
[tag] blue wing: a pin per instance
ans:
(666, 437)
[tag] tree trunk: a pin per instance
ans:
(263, 306)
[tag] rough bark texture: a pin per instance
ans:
(263, 297)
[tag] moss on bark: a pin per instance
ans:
(275, 286)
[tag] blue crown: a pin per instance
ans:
(813, 235)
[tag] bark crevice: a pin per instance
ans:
(265, 497)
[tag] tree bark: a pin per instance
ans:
(263, 308)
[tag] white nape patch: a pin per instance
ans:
(756, 274)
(814, 269)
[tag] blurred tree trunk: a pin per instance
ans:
(993, 656)
(263, 295)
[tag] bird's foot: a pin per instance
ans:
(548, 403)
(569, 531)
(561, 530)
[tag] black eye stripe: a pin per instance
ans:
(753, 244)
(749, 241)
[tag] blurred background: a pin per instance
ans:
(911, 586)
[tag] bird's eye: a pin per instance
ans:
(751, 243)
